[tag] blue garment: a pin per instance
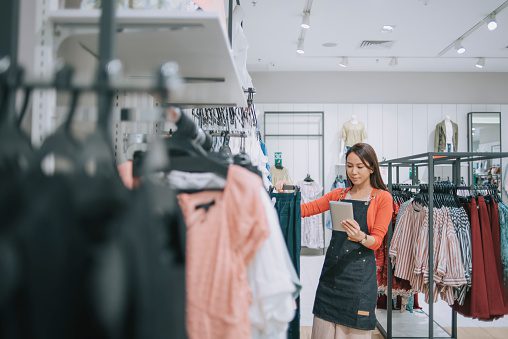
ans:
(503, 224)
(265, 152)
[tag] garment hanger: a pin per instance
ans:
(15, 147)
(187, 155)
(61, 143)
(308, 178)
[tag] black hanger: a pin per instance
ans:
(15, 147)
(187, 155)
(61, 143)
(225, 149)
(308, 178)
(97, 156)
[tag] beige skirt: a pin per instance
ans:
(322, 329)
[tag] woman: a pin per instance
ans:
(347, 292)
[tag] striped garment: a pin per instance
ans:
(410, 244)
(463, 230)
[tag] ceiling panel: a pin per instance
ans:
(422, 31)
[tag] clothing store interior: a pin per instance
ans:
(235, 169)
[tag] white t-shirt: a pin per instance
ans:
(449, 132)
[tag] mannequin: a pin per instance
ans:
(353, 131)
(446, 136)
(278, 172)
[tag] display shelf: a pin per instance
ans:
(145, 39)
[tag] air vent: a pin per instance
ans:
(376, 44)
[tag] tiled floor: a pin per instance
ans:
(310, 269)
(306, 331)
(463, 333)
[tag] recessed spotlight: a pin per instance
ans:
(491, 22)
(329, 44)
(458, 46)
(387, 28)
(306, 20)
(480, 63)
(343, 62)
(394, 61)
(299, 48)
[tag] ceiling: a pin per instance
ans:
(422, 31)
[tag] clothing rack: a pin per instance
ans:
(105, 85)
(429, 160)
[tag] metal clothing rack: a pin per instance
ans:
(428, 160)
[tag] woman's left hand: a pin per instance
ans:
(353, 230)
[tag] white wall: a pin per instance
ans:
(394, 130)
(381, 87)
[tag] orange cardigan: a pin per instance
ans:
(379, 214)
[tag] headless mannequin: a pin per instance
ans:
(353, 121)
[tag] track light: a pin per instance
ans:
(387, 28)
(343, 62)
(299, 48)
(458, 46)
(306, 20)
(394, 61)
(491, 22)
(480, 63)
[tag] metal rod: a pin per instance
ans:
(293, 135)
(431, 245)
(389, 325)
(106, 54)
(230, 23)
(456, 181)
(442, 157)
(413, 173)
(397, 173)
(323, 172)
(9, 27)
(381, 329)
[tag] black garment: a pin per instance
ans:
(94, 261)
(347, 290)
(288, 210)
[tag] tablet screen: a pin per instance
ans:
(340, 211)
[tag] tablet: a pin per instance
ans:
(340, 211)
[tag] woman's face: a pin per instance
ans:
(357, 172)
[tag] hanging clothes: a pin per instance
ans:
(224, 231)
(287, 206)
(411, 263)
(274, 282)
(312, 227)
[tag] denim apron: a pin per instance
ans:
(347, 290)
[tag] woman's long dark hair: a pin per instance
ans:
(369, 158)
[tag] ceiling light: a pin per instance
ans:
(458, 46)
(491, 22)
(306, 20)
(394, 61)
(480, 63)
(299, 48)
(343, 62)
(387, 28)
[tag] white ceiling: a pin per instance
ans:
(422, 31)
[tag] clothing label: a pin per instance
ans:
(365, 313)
